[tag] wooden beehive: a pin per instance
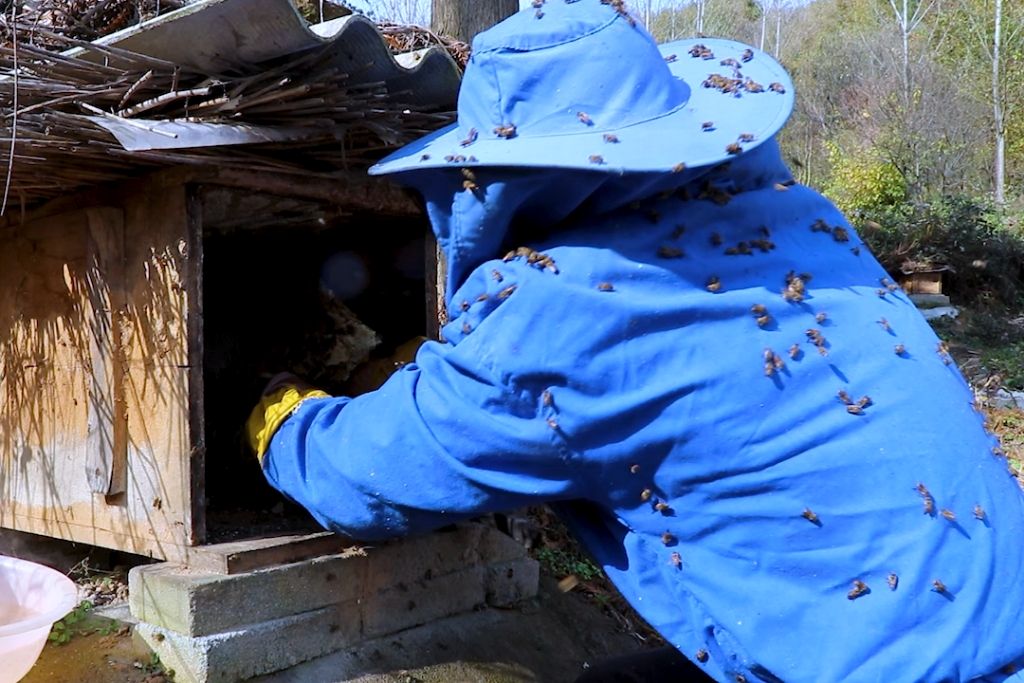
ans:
(104, 367)
(922, 278)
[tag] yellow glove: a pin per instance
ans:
(274, 408)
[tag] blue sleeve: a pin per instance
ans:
(441, 441)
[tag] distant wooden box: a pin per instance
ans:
(923, 281)
(103, 415)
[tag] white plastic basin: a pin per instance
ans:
(32, 598)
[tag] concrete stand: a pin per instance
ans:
(217, 628)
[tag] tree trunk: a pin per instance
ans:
(463, 19)
(765, 7)
(778, 29)
(905, 30)
(997, 108)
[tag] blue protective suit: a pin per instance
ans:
(622, 381)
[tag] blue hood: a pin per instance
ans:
(474, 226)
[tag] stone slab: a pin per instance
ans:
(930, 300)
(282, 643)
(507, 583)
(408, 605)
(199, 604)
(254, 650)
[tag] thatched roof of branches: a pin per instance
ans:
(243, 83)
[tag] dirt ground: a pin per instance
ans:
(98, 657)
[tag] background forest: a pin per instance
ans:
(909, 116)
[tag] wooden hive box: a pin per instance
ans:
(922, 278)
(119, 426)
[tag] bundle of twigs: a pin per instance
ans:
(44, 97)
(406, 38)
(91, 19)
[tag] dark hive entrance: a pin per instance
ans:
(266, 310)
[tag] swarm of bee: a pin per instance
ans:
(854, 407)
(751, 86)
(469, 180)
(926, 496)
(815, 337)
(729, 86)
(620, 7)
(772, 362)
(533, 257)
(716, 194)
(943, 351)
(795, 287)
(700, 51)
(820, 226)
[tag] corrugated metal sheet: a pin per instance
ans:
(215, 36)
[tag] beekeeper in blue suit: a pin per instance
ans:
(747, 424)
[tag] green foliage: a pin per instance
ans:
(1008, 363)
(153, 666)
(968, 235)
(561, 562)
(863, 183)
(63, 630)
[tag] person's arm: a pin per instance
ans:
(442, 440)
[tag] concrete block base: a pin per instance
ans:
(214, 628)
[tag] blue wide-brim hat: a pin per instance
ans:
(580, 84)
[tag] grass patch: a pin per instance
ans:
(65, 629)
(1008, 363)
(560, 563)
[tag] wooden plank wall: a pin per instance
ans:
(95, 442)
